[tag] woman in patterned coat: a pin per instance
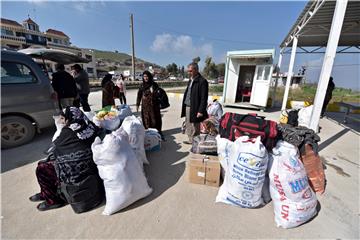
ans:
(150, 106)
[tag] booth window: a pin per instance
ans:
(263, 73)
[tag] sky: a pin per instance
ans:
(167, 32)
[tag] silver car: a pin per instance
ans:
(28, 101)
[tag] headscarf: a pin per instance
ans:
(150, 81)
(79, 123)
(107, 78)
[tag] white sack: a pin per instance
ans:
(136, 133)
(59, 127)
(304, 116)
(293, 200)
(152, 140)
(245, 163)
(124, 179)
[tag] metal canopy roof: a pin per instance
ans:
(313, 25)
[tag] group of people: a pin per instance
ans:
(71, 89)
(69, 174)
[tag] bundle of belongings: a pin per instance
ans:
(263, 160)
(203, 164)
(112, 163)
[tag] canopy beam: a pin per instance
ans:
(290, 72)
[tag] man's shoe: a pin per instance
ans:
(44, 206)
(36, 198)
(187, 142)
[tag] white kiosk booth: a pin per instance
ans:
(247, 78)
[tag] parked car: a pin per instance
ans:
(28, 101)
(220, 79)
(172, 78)
(213, 81)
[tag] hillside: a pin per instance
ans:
(110, 60)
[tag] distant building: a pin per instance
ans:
(19, 36)
(296, 80)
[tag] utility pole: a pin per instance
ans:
(132, 45)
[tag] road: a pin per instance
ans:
(176, 208)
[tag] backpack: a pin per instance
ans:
(162, 98)
(233, 125)
(204, 144)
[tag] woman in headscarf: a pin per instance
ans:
(108, 88)
(76, 173)
(150, 108)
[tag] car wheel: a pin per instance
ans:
(16, 131)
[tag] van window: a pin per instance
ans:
(14, 73)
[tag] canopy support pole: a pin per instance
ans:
(276, 78)
(290, 72)
(328, 62)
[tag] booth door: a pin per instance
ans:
(261, 85)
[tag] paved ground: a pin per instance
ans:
(176, 208)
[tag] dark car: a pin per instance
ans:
(27, 99)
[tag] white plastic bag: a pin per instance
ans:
(124, 111)
(293, 200)
(59, 127)
(152, 140)
(245, 163)
(215, 109)
(110, 123)
(304, 116)
(124, 179)
(136, 133)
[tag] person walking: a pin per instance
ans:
(108, 87)
(64, 86)
(150, 106)
(120, 83)
(82, 83)
(194, 102)
(328, 95)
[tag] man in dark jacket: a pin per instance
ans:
(64, 85)
(194, 102)
(328, 95)
(82, 83)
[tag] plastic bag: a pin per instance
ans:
(124, 111)
(245, 162)
(152, 140)
(293, 200)
(124, 179)
(215, 109)
(304, 116)
(59, 127)
(136, 133)
(107, 118)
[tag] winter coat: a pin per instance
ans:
(198, 99)
(64, 84)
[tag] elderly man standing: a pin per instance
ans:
(82, 83)
(194, 102)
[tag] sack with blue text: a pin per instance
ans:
(245, 163)
(293, 200)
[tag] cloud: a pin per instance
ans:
(83, 6)
(182, 44)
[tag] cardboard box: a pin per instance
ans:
(204, 169)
